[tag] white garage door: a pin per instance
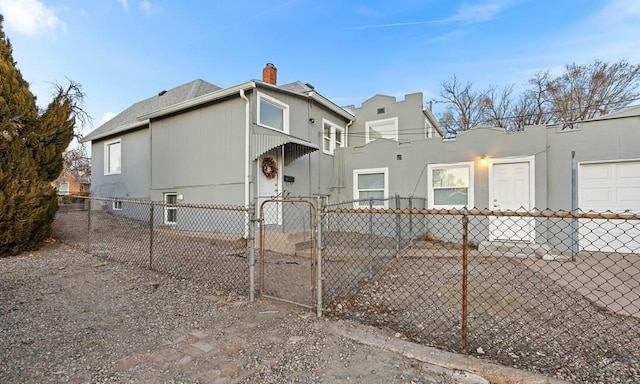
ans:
(610, 187)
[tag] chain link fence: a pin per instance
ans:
(549, 291)
(287, 251)
(552, 292)
(199, 242)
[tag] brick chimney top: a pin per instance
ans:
(269, 74)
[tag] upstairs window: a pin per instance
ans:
(381, 129)
(326, 139)
(339, 137)
(332, 137)
(273, 113)
(112, 157)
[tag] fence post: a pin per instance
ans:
(411, 220)
(398, 234)
(151, 220)
(319, 287)
(252, 251)
(465, 256)
(89, 227)
(369, 243)
(574, 205)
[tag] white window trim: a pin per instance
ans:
(332, 136)
(106, 156)
(166, 208)
(116, 205)
(277, 103)
(470, 193)
(356, 191)
(374, 123)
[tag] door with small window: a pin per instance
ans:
(170, 210)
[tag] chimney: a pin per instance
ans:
(269, 74)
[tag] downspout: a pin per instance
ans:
(247, 160)
(346, 133)
(249, 226)
(341, 166)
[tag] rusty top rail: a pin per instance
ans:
(547, 213)
(163, 204)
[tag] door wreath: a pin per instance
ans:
(269, 167)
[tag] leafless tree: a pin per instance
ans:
(581, 92)
(463, 105)
(498, 107)
(77, 162)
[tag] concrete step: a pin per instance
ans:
(291, 243)
(514, 248)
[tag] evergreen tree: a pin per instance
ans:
(31, 147)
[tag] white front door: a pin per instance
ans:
(511, 190)
(269, 187)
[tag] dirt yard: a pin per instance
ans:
(68, 317)
(520, 315)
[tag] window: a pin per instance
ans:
(339, 137)
(170, 210)
(272, 113)
(372, 185)
(381, 129)
(332, 137)
(450, 185)
(326, 138)
(63, 189)
(112, 160)
(116, 205)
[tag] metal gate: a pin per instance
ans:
(289, 267)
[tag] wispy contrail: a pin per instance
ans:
(408, 23)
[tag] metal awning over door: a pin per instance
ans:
(293, 148)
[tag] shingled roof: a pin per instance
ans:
(128, 118)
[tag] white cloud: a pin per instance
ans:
(108, 116)
(145, 6)
(30, 17)
(125, 5)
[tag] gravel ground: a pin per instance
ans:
(518, 316)
(69, 317)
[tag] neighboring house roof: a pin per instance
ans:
(625, 112)
(128, 119)
(434, 122)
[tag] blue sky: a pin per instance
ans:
(123, 51)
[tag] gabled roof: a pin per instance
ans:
(296, 88)
(128, 119)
